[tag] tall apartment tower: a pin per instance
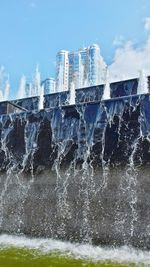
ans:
(86, 67)
(62, 71)
(78, 68)
(82, 68)
(96, 66)
(74, 69)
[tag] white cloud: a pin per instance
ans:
(118, 40)
(147, 24)
(129, 60)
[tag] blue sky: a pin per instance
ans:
(32, 31)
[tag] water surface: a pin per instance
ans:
(21, 251)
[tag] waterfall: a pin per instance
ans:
(83, 158)
(22, 88)
(143, 83)
(106, 93)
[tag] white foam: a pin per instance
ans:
(123, 254)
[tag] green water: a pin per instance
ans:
(16, 257)
(22, 251)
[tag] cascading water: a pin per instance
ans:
(75, 172)
(14, 186)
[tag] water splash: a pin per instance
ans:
(4, 85)
(106, 94)
(72, 94)
(125, 254)
(36, 83)
(1, 96)
(41, 101)
(22, 88)
(29, 93)
(7, 90)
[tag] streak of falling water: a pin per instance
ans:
(13, 179)
(143, 83)
(125, 223)
(62, 182)
(62, 178)
(105, 166)
(4, 148)
(84, 191)
(87, 185)
(132, 178)
(30, 137)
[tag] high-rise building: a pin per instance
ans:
(96, 66)
(62, 71)
(74, 69)
(49, 85)
(78, 68)
(82, 68)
